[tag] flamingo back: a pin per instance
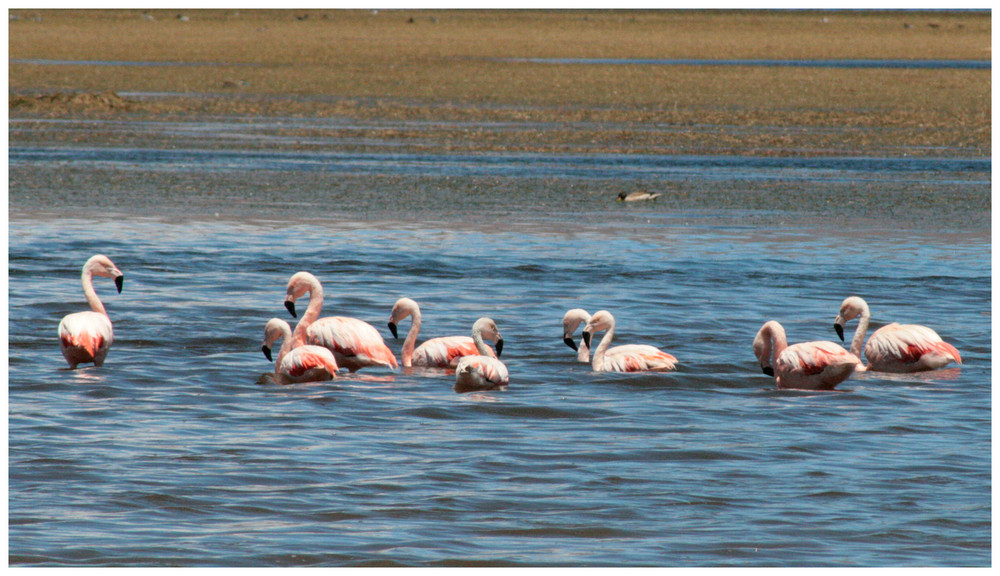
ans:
(814, 365)
(908, 347)
(480, 373)
(308, 364)
(638, 358)
(352, 341)
(445, 352)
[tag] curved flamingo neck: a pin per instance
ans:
(286, 346)
(312, 312)
(777, 340)
(481, 346)
(88, 290)
(859, 333)
(411, 336)
(609, 335)
(583, 352)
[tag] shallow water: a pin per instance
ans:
(179, 452)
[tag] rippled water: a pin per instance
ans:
(178, 452)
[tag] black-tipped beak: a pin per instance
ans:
(767, 370)
(392, 328)
(499, 346)
(119, 280)
(586, 338)
(290, 305)
(569, 342)
(840, 331)
(267, 352)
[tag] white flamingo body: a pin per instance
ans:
(626, 358)
(304, 363)
(571, 321)
(482, 371)
(86, 337)
(898, 348)
(819, 365)
(441, 352)
(355, 344)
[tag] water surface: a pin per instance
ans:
(180, 452)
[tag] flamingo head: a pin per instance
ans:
(488, 330)
(300, 284)
(101, 265)
(275, 329)
(600, 321)
(764, 343)
(850, 309)
(571, 321)
(401, 309)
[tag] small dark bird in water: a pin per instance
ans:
(637, 196)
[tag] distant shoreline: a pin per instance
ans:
(560, 70)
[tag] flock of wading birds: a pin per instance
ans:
(320, 347)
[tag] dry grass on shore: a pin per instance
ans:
(455, 65)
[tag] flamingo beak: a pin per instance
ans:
(767, 370)
(290, 306)
(267, 352)
(392, 328)
(499, 346)
(586, 338)
(569, 342)
(840, 330)
(119, 280)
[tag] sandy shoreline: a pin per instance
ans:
(454, 69)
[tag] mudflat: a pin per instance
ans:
(593, 80)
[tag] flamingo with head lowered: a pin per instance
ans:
(482, 371)
(627, 358)
(571, 321)
(87, 336)
(355, 344)
(301, 363)
(441, 352)
(817, 365)
(894, 347)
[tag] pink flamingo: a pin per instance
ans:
(894, 347)
(571, 321)
(627, 358)
(304, 362)
(817, 365)
(355, 344)
(87, 336)
(441, 352)
(482, 371)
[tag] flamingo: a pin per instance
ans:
(482, 371)
(87, 336)
(303, 363)
(355, 344)
(571, 320)
(894, 347)
(441, 352)
(627, 358)
(817, 365)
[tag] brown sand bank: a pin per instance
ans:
(455, 66)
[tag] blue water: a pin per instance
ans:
(179, 452)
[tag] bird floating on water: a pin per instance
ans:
(894, 347)
(87, 336)
(638, 196)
